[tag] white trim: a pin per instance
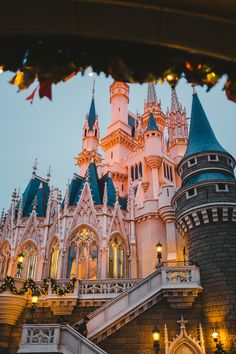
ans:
(230, 162)
(226, 189)
(216, 159)
(199, 207)
(188, 196)
(193, 163)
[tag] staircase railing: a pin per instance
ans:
(164, 279)
(55, 339)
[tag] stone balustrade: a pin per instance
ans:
(55, 339)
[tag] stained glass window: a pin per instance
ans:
(83, 261)
(55, 249)
(4, 259)
(30, 261)
(116, 258)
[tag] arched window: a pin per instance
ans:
(171, 174)
(96, 133)
(85, 132)
(140, 169)
(55, 249)
(83, 256)
(167, 172)
(4, 259)
(164, 166)
(30, 253)
(136, 171)
(132, 173)
(116, 258)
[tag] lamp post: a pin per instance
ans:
(156, 338)
(159, 254)
(34, 300)
(215, 336)
(19, 264)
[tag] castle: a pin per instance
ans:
(156, 185)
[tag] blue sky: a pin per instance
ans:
(52, 131)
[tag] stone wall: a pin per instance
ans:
(10, 336)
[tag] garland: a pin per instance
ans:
(50, 60)
(29, 284)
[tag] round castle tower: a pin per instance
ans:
(205, 208)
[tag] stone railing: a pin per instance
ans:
(55, 339)
(179, 284)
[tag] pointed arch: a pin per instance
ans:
(117, 259)
(30, 251)
(54, 251)
(5, 255)
(82, 253)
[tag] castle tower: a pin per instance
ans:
(90, 140)
(177, 128)
(205, 208)
(153, 152)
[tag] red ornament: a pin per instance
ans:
(45, 89)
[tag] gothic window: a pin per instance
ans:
(167, 172)
(140, 169)
(55, 249)
(132, 173)
(4, 259)
(171, 174)
(136, 171)
(83, 256)
(30, 261)
(164, 166)
(116, 258)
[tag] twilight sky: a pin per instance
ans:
(52, 131)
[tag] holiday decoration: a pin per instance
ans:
(29, 285)
(53, 60)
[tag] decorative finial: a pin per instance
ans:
(35, 166)
(194, 89)
(2, 215)
(151, 96)
(35, 203)
(49, 173)
(175, 106)
(104, 201)
(93, 92)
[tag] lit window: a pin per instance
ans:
(116, 258)
(213, 158)
(192, 162)
(222, 187)
(191, 193)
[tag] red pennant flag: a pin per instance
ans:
(31, 96)
(45, 89)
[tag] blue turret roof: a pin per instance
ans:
(92, 115)
(97, 188)
(201, 135)
(151, 123)
(38, 188)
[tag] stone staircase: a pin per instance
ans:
(178, 283)
(53, 339)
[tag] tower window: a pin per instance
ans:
(136, 172)
(192, 162)
(96, 133)
(153, 134)
(171, 175)
(111, 155)
(213, 158)
(230, 162)
(85, 132)
(222, 187)
(140, 169)
(164, 166)
(191, 193)
(122, 187)
(132, 173)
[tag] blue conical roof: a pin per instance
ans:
(151, 124)
(201, 135)
(92, 115)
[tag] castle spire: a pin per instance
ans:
(151, 95)
(175, 106)
(201, 135)
(92, 110)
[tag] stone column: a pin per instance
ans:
(154, 162)
(168, 216)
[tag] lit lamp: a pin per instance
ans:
(34, 300)
(19, 264)
(159, 253)
(156, 338)
(215, 337)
